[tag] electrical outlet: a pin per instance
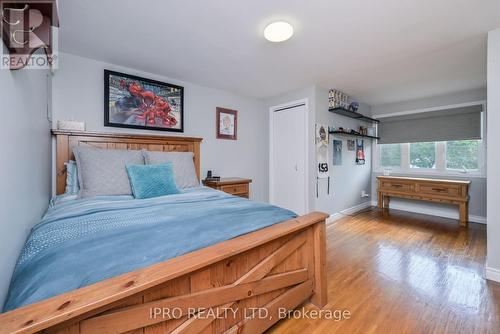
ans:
(364, 194)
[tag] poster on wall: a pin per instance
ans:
(351, 145)
(322, 151)
(337, 152)
(140, 103)
(360, 152)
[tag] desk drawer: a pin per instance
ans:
(448, 190)
(235, 189)
(397, 186)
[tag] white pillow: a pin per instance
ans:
(183, 165)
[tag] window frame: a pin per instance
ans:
(440, 162)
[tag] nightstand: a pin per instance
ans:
(231, 185)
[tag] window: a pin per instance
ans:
(423, 155)
(390, 155)
(457, 157)
(462, 155)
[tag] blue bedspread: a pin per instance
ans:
(81, 242)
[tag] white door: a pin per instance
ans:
(288, 158)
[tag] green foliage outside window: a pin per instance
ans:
(423, 155)
(390, 155)
(462, 154)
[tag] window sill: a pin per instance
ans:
(401, 172)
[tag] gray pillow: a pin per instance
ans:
(184, 172)
(102, 171)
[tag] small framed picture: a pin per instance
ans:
(227, 124)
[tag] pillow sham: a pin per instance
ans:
(149, 181)
(103, 172)
(72, 186)
(183, 166)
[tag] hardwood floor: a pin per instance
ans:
(405, 273)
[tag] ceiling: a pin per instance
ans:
(379, 51)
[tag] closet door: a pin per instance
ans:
(288, 150)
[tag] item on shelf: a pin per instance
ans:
(371, 131)
(338, 99)
(363, 130)
(354, 106)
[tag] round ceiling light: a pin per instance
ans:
(278, 31)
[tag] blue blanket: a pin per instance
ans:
(81, 242)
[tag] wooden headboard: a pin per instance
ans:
(66, 141)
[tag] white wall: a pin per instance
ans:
(493, 257)
(25, 170)
(78, 94)
(477, 191)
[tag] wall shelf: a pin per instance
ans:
(352, 114)
(342, 133)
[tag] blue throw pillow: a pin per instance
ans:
(149, 181)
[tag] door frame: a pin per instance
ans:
(272, 110)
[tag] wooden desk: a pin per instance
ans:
(433, 190)
(231, 185)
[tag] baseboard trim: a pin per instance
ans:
(492, 274)
(349, 211)
(433, 212)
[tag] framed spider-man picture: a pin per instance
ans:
(139, 103)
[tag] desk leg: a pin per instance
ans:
(464, 213)
(386, 201)
(379, 201)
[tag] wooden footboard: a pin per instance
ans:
(242, 285)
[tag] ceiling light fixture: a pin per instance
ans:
(278, 31)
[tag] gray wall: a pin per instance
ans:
(25, 171)
(346, 181)
(478, 184)
(78, 94)
(494, 152)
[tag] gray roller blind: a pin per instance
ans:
(441, 125)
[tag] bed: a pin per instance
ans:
(267, 258)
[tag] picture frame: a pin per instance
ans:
(337, 152)
(140, 103)
(226, 124)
